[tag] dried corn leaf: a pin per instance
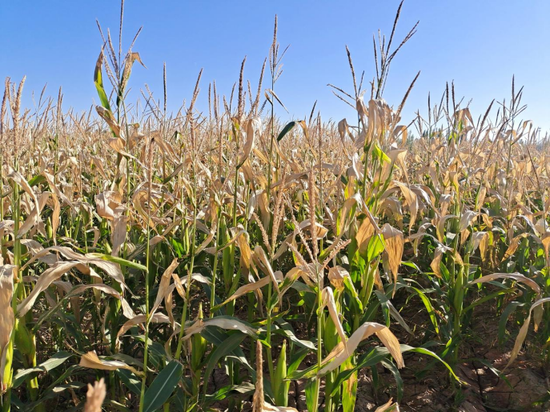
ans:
(106, 203)
(252, 128)
(163, 289)
(328, 301)
(397, 156)
(394, 246)
(546, 245)
(480, 198)
(436, 262)
(33, 217)
(44, 280)
(181, 283)
(343, 351)
(347, 213)
(267, 407)
(299, 272)
(477, 238)
(512, 247)
(336, 276)
(260, 258)
(343, 129)
(246, 252)
(68, 288)
(92, 361)
(106, 115)
(364, 233)
(389, 406)
(518, 277)
(523, 331)
(411, 201)
(55, 189)
(140, 319)
(118, 231)
(55, 215)
(224, 323)
(7, 318)
(110, 268)
(250, 287)
(401, 130)
(466, 219)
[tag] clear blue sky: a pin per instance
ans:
(479, 44)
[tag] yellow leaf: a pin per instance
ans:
(393, 239)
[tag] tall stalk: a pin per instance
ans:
(147, 265)
(276, 70)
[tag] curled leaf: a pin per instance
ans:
(92, 361)
(518, 277)
(252, 127)
(344, 350)
(328, 300)
(523, 331)
(250, 287)
(221, 322)
(50, 275)
(164, 285)
(336, 276)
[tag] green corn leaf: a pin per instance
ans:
(429, 308)
(98, 81)
(511, 308)
(56, 360)
(296, 360)
(245, 388)
(312, 394)
(280, 386)
(349, 387)
(162, 387)
(285, 130)
(308, 373)
(495, 371)
(72, 370)
(286, 330)
(396, 375)
(36, 180)
(424, 351)
(120, 261)
(379, 354)
(375, 247)
(23, 338)
(129, 379)
(221, 351)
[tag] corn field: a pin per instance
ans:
(225, 260)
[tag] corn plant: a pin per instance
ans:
(187, 261)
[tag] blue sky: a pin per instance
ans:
(479, 44)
